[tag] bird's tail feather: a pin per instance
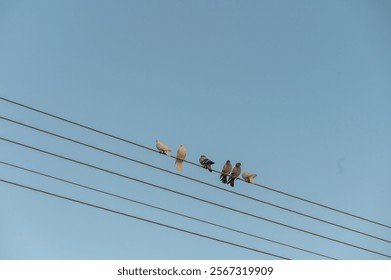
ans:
(231, 181)
(178, 165)
(223, 178)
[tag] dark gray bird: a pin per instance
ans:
(227, 168)
(206, 163)
(234, 174)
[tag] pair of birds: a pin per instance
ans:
(206, 163)
(232, 173)
(180, 156)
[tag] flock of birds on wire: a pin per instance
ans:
(228, 174)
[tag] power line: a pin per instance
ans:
(192, 179)
(150, 149)
(195, 198)
(143, 219)
(163, 209)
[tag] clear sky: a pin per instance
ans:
(297, 91)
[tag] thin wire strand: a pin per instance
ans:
(192, 179)
(195, 198)
(143, 219)
(189, 162)
(164, 210)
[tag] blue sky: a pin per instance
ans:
(297, 91)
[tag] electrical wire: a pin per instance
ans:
(143, 219)
(153, 150)
(195, 198)
(163, 209)
(192, 179)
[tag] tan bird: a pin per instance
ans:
(249, 177)
(180, 156)
(162, 148)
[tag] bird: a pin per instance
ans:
(162, 148)
(234, 174)
(206, 163)
(248, 177)
(227, 168)
(180, 156)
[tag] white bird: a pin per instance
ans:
(227, 168)
(248, 177)
(162, 148)
(234, 174)
(206, 163)
(180, 156)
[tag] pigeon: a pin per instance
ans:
(162, 148)
(234, 174)
(248, 177)
(227, 168)
(180, 156)
(206, 163)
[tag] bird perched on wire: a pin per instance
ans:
(227, 168)
(248, 177)
(180, 156)
(162, 148)
(206, 163)
(234, 174)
